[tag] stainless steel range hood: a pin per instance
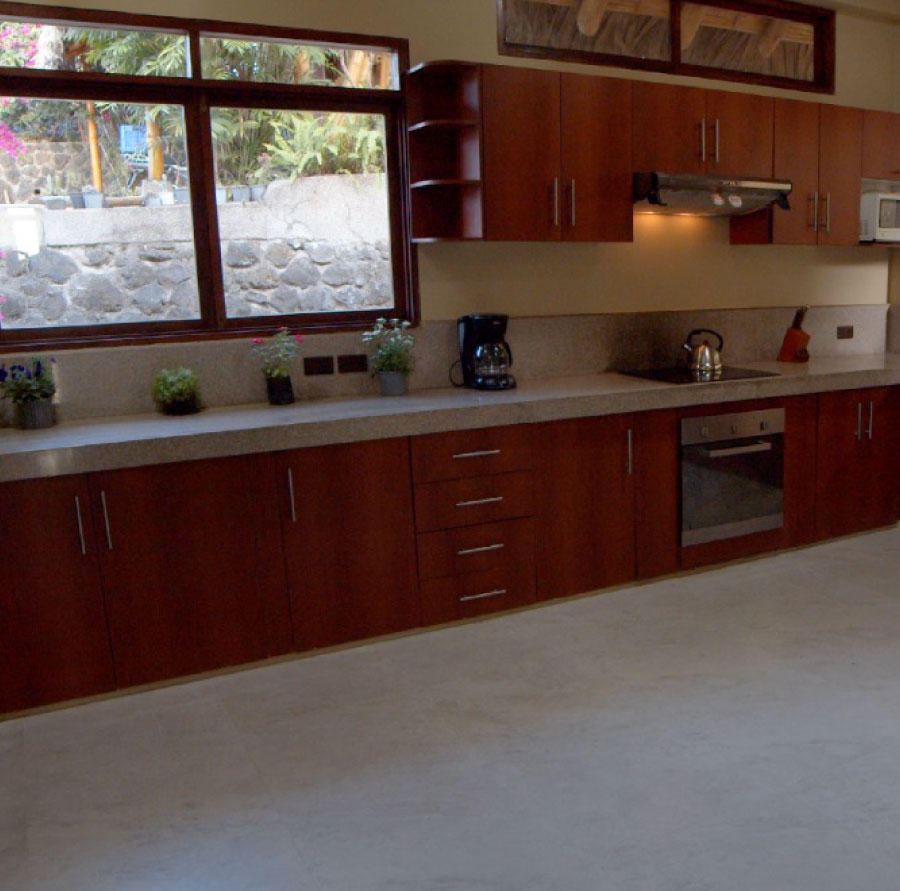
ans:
(706, 196)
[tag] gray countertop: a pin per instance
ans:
(110, 443)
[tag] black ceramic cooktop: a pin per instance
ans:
(681, 374)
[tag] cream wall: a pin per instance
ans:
(673, 264)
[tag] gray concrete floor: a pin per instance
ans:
(733, 730)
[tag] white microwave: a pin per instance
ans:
(879, 216)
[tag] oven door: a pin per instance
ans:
(732, 480)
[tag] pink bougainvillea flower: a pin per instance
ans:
(257, 340)
(298, 338)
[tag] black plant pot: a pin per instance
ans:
(188, 406)
(279, 390)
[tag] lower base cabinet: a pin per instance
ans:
(53, 637)
(349, 546)
(190, 556)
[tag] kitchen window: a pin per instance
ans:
(166, 178)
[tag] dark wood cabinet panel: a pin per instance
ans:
(881, 145)
(596, 159)
(53, 633)
(797, 160)
(477, 593)
(349, 541)
(857, 466)
(191, 569)
(521, 133)
(585, 498)
(669, 128)
(466, 453)
(840, 166)
(476, 548)
(739, 140)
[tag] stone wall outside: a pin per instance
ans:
(67, 164)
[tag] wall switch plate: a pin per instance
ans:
(318, 365)
(844, 332)
(354, 363)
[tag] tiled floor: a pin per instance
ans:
(734, 730)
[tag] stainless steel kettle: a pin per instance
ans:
(703, 356)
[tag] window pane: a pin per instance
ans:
(286, 62)
(639, 30)
(303, 211)
(738, 41)
(101, 50)
(95, 223)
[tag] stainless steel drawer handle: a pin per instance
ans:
(485, 453)
(738, 450)
(495, 593)
(482, 550)
(80, 526)
(496, 499)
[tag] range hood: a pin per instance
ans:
(706, 196)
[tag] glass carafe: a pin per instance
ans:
(490, 362)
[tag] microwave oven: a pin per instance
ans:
(879, 216)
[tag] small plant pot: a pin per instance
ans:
(279, 390)
(55, 202)
(182, 196)
(76, 199)
(181, 406)
(257, 193)
(393, 383)
(93, 200)
(35, 415)
(221, 194)
(240, 193)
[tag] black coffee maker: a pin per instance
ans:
(484, 354)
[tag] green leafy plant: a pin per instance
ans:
(393, 345)
(277, 353)
(177, 391)
(27, 383)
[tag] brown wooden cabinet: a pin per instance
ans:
(557, 156)
(585, 497)
(53, 635)
(881, 145)
(689, 130)
(857, 466)
(191, 567)
(840, 165)
(349, 547)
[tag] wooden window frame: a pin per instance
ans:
(197, 95)
(822, 21)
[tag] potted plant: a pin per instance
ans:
(277, 355)
(261, 177)
(176, 391)
(92, 198)
(393, 360)
(30, 388)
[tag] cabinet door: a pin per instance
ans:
(349, 544)
(520, 128)
(53, 634)
(797, 160)
(191, 567)
(669, 132)
(585, 537)
(881, 145)
(596, 158)
(840, 164)
(739, 138)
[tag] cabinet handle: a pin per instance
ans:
(556, 201)
(859, 421)
(871, 419)
(494, 499)
(495, 593)
(80, 526)
(816, 211)
(828, 211)
(484, 453)
(106, 519)
(717, 142)
(630, 452)
(703, 138)
(738, 450)
(465, 552)
(572, 206)
(291, 495)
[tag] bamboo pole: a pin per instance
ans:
(155, 160)
(94, 147)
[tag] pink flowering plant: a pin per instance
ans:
(27, 383)
(277, 354)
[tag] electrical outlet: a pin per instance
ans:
(353, 363)
(844, 332)
(318, 365)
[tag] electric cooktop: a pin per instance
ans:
(681, 374)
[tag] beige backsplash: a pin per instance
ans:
(116, 381)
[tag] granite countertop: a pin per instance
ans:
(110, 443)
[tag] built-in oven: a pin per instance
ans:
(732, 475)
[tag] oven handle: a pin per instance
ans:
(738, 450)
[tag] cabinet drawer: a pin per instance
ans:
(465, 453)
(475, 548)
(477, 593)
(482, 499)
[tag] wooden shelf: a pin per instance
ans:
(430, 183)
(453, 124)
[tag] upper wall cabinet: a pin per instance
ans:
(689, 130)
(881, 145)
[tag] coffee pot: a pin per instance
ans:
(484, 354)
(703, 357)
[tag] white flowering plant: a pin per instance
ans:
(277, 354)
(393, 345)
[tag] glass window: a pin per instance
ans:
(95, 223)
(303, 211)
(288, 62)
